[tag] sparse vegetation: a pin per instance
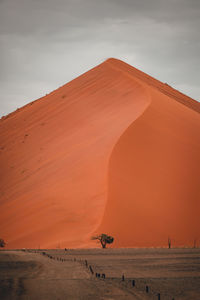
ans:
(104, 239)
(2, 243)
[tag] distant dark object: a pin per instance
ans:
(2, 243)
(123, 278)
(133, 282)
(169, 243)
(103, 239)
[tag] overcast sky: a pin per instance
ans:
(46, 43)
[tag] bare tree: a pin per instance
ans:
(2, 243)
(104, 239)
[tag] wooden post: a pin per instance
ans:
(91, 270)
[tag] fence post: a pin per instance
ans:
(91, 270)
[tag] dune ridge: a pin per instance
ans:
(67, 161)
(162, 87)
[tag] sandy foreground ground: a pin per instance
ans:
(59, 274)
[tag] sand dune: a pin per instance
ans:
(112, 151)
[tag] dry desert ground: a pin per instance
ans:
(67, 274)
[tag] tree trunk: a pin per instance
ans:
(103, 244)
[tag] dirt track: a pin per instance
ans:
(33, 276)
(173, 273)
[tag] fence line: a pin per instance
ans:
(101, 276)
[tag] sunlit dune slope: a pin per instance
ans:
(54, 158)
(112, 151)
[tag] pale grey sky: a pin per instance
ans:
(46, 43)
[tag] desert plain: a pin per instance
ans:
(66, 274)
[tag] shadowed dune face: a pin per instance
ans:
(112, 151)
(153, 189)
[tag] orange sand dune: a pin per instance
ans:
(112, 151)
